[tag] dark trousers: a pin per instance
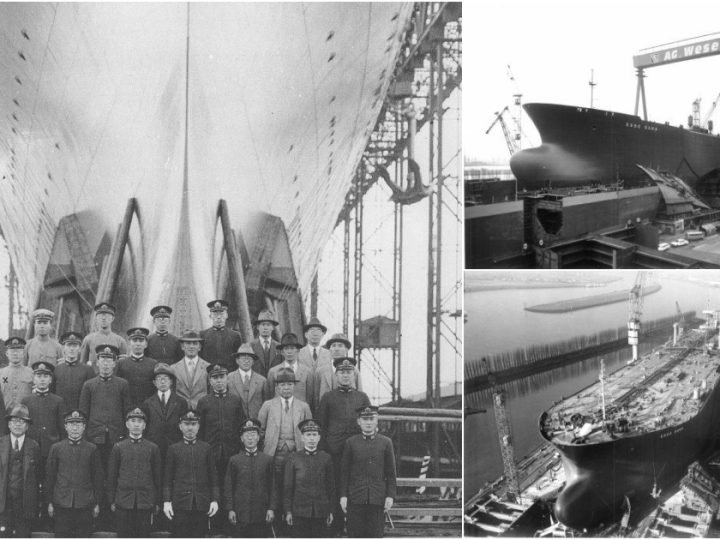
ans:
(105, 521)
(133, 523)
(251, 530)
(219, 523)
(13, 522)
(304, 527)
(338, 523)
(281, 528)
(365, 520)
(73, 522)
(190, 523)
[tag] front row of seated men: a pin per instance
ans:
(201, 465)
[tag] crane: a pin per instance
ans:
(635, 305)
(509, 140)
(517, 116)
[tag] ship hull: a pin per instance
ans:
(583, 146)
(599, 476)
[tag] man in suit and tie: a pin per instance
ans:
(289, 347)
(281, 416)
(265, 347)
(312, 354)
(164, 410)
(247, 384)
(191, 372)
(19, 478)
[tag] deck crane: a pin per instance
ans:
(635, 304)
(509, 140)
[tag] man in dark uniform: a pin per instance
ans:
(162, 345)
(137, 369)
(73, 480)
(221, 417)
(265, 346)
(220, 342)
(70, 373)
(163, 410)
(134, 479)
(337, 416)
(249, 496)
(309, 486)
(18, 475)
(191, 488)
(367, 478)
(47, 411)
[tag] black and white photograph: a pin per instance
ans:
(592, 401)
(232, 269)
(591, 140)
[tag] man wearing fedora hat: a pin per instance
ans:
(42, 347)
(136, 368)
(19, 475)
(104, 317)
(163, 410)
(246, 383)
(162, 345)
(312, 355)
(220, 341)
(73, 480)
(265, 347)
(134, 479)
(70, 373)
(289, 347)
(191, 372)
(191, 485)
(15, 379)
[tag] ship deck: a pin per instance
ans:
(662, 389)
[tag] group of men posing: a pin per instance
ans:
(197, 434)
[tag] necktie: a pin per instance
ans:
(287, 405)
(314, 354)
(267, 345)
(162, 399)
(17, 445)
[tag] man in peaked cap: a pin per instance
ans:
(326, 377)
(42, 347)
(15, 379)
(47, 411)
(137, 369)
(104, 317)
(249, 495)
(312, 355)
(337, 416)
(221, 417)
(164, 409)
(191, 372)
(19, 475)
(289, 347)
(134, 479)
(246, 383)
(264, 346)
(367, 477)
(162, 345)
(70, 373)
(73, 480)
(309, 486)
(220, 341)
(190, 499)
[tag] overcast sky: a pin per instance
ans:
(551, 47)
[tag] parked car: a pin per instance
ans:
(663, 246)
(679, 242)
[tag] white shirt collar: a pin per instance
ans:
(289, 400)
(21, 441)
(166, 392)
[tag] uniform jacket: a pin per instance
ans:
(326, 380)
(257, 393)
(87, 349)
(324, 358)
(220, 422)
(270, 416)
(73, 475)
(337, 417)
(47, 426)
(139, 375)
(309, 484)
(69, 380)
(164, 348)
(190, 475)
(304, 388)
(220, 345)
(250, 487)
(191, 386)
(265, 361)
(134, 475)
(162, 425)
(105, 404)
(368, 470)
(31, 462)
